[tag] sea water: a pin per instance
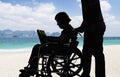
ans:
(20, 44)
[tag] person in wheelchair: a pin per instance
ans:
(67, 35)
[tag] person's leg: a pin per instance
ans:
(99, 57)
(86, 63)
(86, 56)
(33, 61)
(100, 65)
(97, 46)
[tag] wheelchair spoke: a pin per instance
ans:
(71, 71)
(74, 65)
(59, 63)
(70, 64)
(74, 57)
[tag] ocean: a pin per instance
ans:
(19, 44)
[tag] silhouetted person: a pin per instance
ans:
(66, 36)
(93, 27)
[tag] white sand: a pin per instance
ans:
(10, 63)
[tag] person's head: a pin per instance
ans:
(62, 19)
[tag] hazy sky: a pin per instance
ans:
(39, 14)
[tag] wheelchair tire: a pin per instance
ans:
(73, 66)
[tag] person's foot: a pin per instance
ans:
(29, 71)
(23, 70)
(32, 71)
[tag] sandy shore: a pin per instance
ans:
(10, 63)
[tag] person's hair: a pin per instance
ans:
(62, 17)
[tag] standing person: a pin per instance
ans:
(93, 27)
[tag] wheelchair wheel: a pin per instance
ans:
(70, 64)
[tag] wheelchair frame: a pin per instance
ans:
(66, 64)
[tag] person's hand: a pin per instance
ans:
(81, 30)
(77, 30)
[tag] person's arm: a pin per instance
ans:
(81, 28)
(52, 39)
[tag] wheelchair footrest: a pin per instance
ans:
(28, 71)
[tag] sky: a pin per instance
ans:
(39, 14)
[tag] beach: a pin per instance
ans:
(12, 62)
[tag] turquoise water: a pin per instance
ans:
(16, 43)
(19, 43)
(111, 41)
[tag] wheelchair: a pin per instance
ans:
(66, 62)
